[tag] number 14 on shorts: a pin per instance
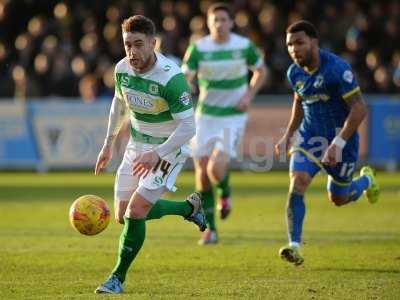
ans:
(159, 172)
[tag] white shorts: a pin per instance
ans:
(222, 133)
(161, 179)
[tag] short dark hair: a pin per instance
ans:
(220, 6)
(139, 23)
(303, 25)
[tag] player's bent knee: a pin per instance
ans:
(136, 212)
(142, 201)
(138, 209)
(337, 200)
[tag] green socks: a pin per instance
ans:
(208, 205)
(134, 232)
(130, 242)
(223, 187)
(166, 207)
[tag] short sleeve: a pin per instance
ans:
(191, 59)
(344, 79)
(177, 94)
(254, 58)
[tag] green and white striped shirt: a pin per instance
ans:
(222, 72)
(155, 99)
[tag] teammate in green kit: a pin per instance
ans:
(221, 61)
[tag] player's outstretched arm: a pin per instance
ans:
(295, 120)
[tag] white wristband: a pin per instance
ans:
(338, 141)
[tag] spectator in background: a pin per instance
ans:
(88, 88)
(64, 82)
(24, 86)
(32, 33)
(161, 46)
(108, 82)
(6, 83)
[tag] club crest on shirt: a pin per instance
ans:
(185, 98)
(348, 76)
(153, 88)
(319, 80)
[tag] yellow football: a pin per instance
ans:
(89, 214)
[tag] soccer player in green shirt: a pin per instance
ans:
(221, 61)
(152, 92)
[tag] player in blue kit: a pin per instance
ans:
(322, 131)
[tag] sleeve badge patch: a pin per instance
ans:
(185, 98)
(348, 76)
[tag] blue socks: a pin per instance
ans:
(295, 211)
(357, 187)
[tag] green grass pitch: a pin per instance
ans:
(351, 252)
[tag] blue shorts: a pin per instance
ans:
(307, 153)
(339, 176)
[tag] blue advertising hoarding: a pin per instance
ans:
(384, 132)
(17, 144)
(69, 134)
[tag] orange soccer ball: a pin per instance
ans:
(89, 214)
